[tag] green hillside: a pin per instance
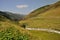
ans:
(47, 17)
(9, 30)
(43, 9)
(42, 18)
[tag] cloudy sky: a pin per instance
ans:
(23, 6)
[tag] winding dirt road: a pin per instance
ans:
(43, 29)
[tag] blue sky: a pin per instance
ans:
(23, 6)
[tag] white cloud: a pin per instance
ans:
(21, 6)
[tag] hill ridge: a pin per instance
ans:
(43, 9)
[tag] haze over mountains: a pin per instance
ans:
(12, 16)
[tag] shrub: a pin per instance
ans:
(12, 33)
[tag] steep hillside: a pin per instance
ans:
(42, 10)
(42, 18)
(47, 17)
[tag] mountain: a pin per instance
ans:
(12, 16)
(43, 9)
(46, 17)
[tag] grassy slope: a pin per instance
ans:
(43, 9)
(41, 35)
(38, 11)
(48, 19)
(12, 31)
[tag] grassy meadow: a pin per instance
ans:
(49, 19)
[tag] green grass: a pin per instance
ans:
(41, 35)
(10, 31)
(49, 19)
(53, 23)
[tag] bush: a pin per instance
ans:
(12, 33)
